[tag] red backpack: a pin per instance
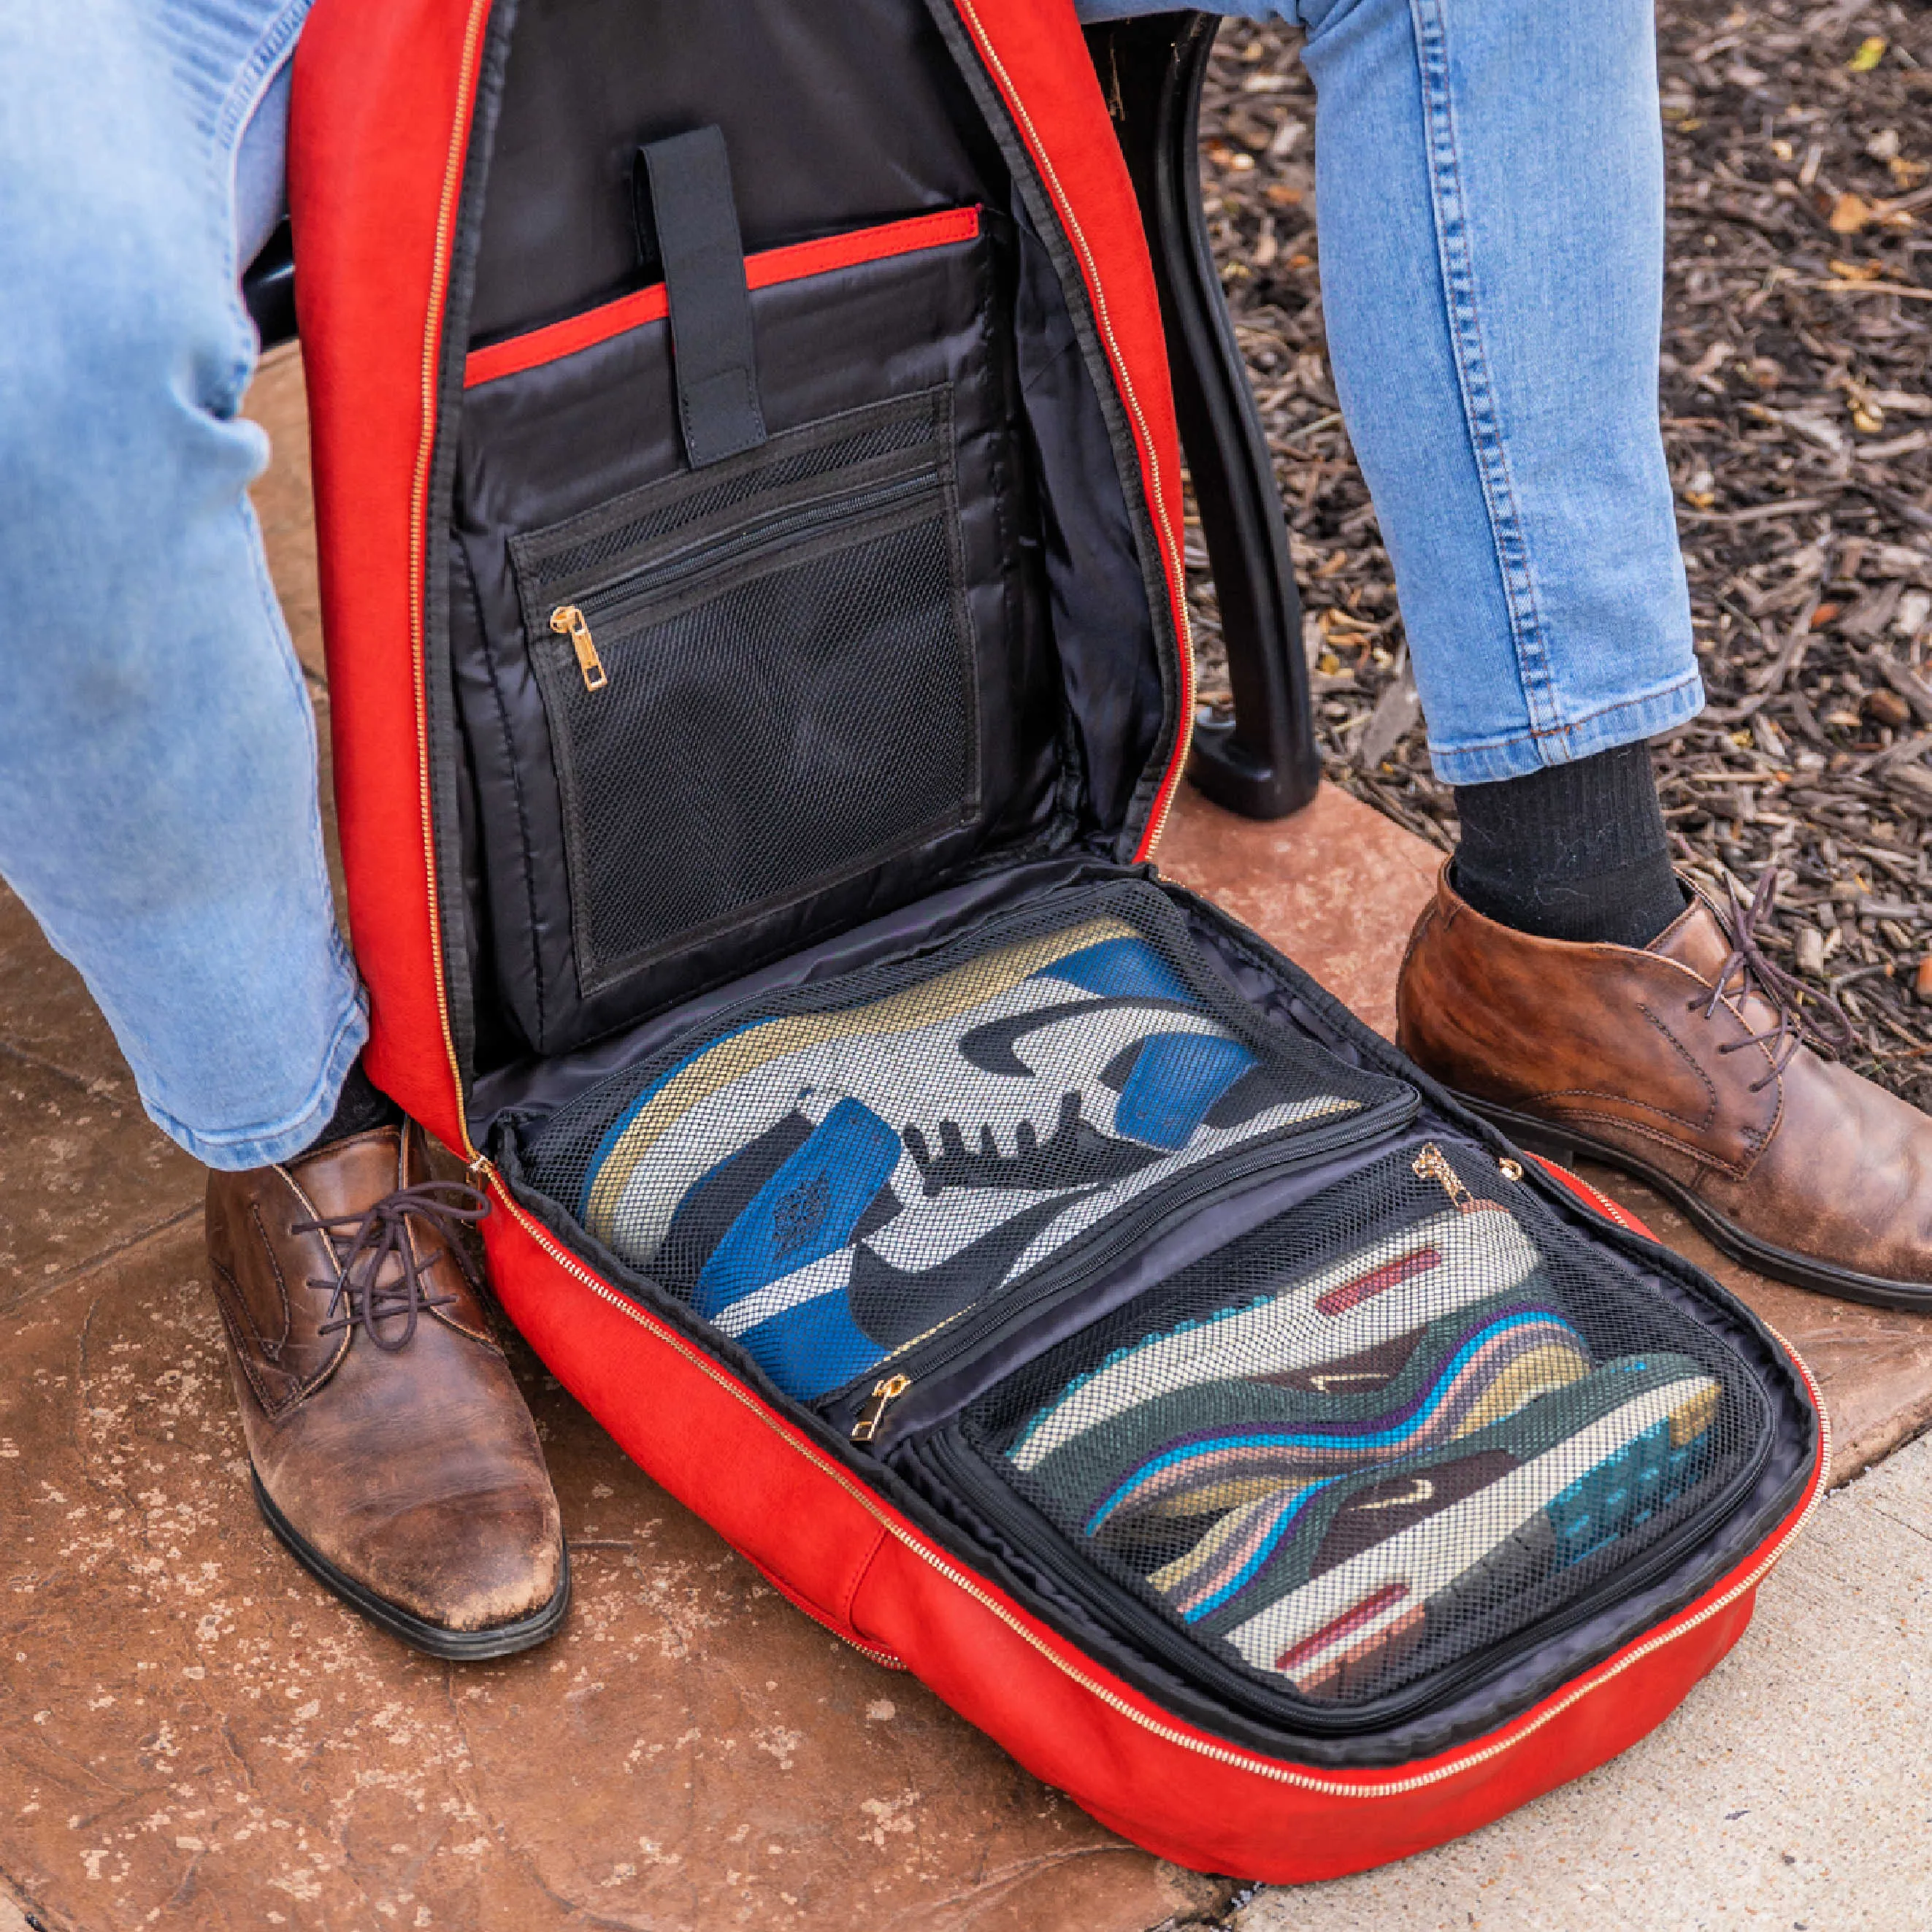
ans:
(750, 518)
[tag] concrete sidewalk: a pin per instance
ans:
(1793, 1789)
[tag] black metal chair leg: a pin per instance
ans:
(1265, 764)
(268, 288)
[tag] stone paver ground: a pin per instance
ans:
(192, 1734)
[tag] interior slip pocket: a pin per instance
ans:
(1370, 1447)
(759, 678)
(861, 1175)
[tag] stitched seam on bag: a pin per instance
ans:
(851, 1595)
(525, 843)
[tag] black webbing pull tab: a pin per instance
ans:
(712, 356)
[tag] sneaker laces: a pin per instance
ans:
(1826, 1025)
(362, 1243)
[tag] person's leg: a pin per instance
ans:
(158, 815)
(1526, 505)
(1500, 384)
(1490, 196)
(157, 806)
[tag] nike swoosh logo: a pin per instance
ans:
(1420, 1490)
(893, 1304)
(990, 1047)
(1328, 1384)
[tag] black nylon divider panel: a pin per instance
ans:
(587, 451)
(837, 117)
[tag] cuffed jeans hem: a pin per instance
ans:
(234, 1151)
(1626, 723)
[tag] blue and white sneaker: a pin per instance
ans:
(807, 1181)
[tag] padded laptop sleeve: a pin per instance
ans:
(750, 519)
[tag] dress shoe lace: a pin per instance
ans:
(364, 1292)
(1803, 1012)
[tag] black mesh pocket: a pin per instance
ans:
(760, 680)
(1379, 1436)
(863, 1171)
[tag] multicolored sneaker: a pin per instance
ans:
(1330, 1585)
(806, 1181)
(1352, 1327)
(1214, 1447)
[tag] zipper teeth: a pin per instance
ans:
(1279, 1773)
(1096, 296)
(1611, 1211)
(452, 179)
(614, 600)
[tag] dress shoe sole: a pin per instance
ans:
(1563, 1145)
(459, 1646)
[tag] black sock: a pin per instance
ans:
(1575, 851)
(363, 1106)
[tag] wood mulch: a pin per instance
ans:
(1797, 404)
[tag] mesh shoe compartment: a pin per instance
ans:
(759, 680)
(1381, 1436)
(845, 1175)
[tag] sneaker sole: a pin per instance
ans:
(1560, 1144)
(1340, 1627)
(433, 1639)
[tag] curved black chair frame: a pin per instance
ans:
(1263, 764)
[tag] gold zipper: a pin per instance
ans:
(884, 1394)
(445, 212)
(1433, 1164)
(568, 621)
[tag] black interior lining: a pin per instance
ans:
(1070, 699)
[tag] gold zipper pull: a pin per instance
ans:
(1433, 1164)
(568, 621)
(884, 1395)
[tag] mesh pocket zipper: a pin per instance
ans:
(673, 575)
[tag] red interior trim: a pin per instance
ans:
(764, 270)
(1590, 1197)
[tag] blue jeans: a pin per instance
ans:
(1490, 202)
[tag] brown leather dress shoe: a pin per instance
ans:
(392, 1451)
(1683, 1064)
